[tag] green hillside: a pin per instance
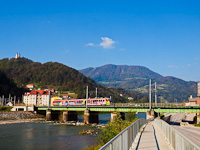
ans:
(55, 75)
(136, 78)
(7, 86)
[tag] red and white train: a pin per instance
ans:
(92, 101)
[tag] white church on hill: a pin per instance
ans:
(17, 55)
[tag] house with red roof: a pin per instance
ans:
(37, 98)
(193, 101)
(30, 86)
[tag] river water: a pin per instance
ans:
(51, 136)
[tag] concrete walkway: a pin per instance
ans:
(152, 139)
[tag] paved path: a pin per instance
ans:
(192, 133)
(152, 139)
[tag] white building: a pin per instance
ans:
(37, 98)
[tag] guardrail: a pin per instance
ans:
(176, 140)
(125, 139)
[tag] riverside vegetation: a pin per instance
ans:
(197, 125)
(5, 108)
(112, 129)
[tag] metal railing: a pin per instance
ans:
(125, 139)
(176, 140)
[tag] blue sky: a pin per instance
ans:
(161, 35)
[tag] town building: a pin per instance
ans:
(30, 86)
(194, 101)
(130, 98)
(37, 98)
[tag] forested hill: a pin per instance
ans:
(53, 75)
(7, 86)
(136, 78)
(119, 73)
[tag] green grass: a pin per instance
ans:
(140, 78)
(128, 78)
(104, 82)
(161, 115)
(5, 108)
(197, 125)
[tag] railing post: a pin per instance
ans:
(111, 146)
(121, 142)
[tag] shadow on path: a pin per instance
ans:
(155, 138)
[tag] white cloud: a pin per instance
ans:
(107, 43)
(90, 44)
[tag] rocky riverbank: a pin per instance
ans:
(20, 121)
(8, 117)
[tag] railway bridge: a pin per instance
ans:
(69, 113)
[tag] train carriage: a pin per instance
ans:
(78, 102)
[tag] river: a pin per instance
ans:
(51, 136)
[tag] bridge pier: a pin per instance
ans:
(197, 119)
(114, 115)
(151, 114)
(91, 117)
(65, 116)
(69, 116)
(86, 116)
(48, 115)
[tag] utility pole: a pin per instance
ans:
(9, 97)
(175, 101)
(3, 99)
(86, 97)
(14, 100)
(149, 94)
(96, 92)
(49, 99)
(155, 95)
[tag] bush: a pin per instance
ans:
(93, 147)
(112, 129)
(5, 108)
(130, 116)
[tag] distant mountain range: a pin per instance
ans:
(136, 78)
(55, 75)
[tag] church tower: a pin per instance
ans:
(17, 55)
